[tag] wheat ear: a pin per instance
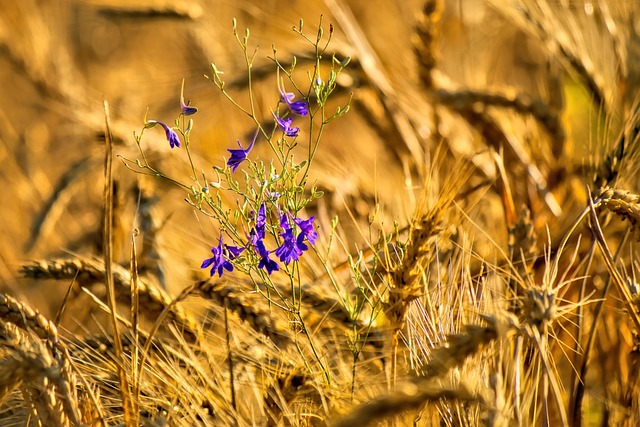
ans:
(521, 104)
(623, 203)
(425, 40)
(26, 318)
(152, 299)
(31, 365)
(409, 396)
(249, 307)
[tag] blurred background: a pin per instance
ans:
(59, 59)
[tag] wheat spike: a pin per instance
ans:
(623, 203)
(522, 249)
(152, 299)
(520, 103)
(406, 397)
(61, 195)
(31, 365)
(14, 367)
(458, 347)
(426, 40)
(23, 316)
(249, 307)
(406, 277)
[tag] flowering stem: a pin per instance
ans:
(187, 139)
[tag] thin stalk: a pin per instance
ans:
(232, 385)
(135, 311)
(107, 250)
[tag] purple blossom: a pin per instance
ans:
(187, 110)
(291, 247)
(265, 262)
(306, 225)
(284, 222)
(172, 136)
(233, 251)
(285, 124)
(221, 258)
(238, 156)
(300, 108)
(261, 221)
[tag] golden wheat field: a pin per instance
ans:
(477, 212)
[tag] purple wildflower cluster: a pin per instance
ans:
(295, 232)
(293, 235)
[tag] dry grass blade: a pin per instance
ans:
(249, 307)
(107, 252)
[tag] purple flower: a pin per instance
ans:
(265, 262)
(285, 124)
(238, 156)
(306, 225)
(218, 261)
(233, 251)
(172, 136)
(284, 222)
(291, 247)
(187, 110)
(300, 108)
(261, 221)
